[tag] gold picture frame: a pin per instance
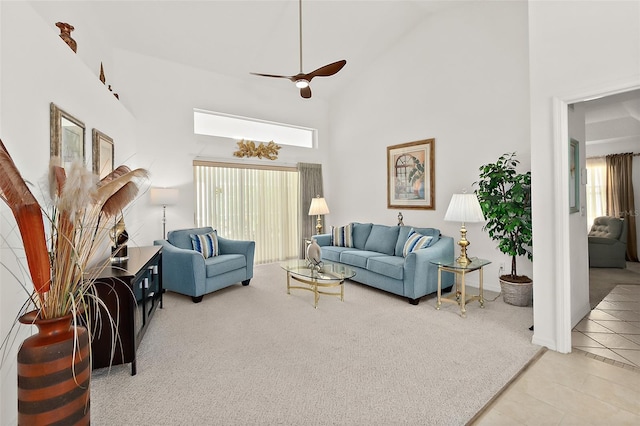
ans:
(411, 175)
(67, 136)
(102, 153)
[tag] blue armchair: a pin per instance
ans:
(187, 272)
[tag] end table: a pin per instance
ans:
(459, 296)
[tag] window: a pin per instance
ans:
(236, 127)
(596, 189)
(258, 203)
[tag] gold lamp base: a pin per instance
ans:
(463, 243)
(318, 225)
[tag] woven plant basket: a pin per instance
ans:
(517, 294)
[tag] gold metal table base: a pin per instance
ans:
(459, 295)
(313, 285)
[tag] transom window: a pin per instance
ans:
(236, 127)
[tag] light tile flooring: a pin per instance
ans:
(601, 388)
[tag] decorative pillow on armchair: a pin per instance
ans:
(416, 242)
(207, 244)
(342, 236)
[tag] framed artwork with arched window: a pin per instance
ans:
(411, 175)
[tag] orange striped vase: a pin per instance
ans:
(54, 372)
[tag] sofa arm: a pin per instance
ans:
(183, 270)
(323, 239)
(421, 276)
(247, 248)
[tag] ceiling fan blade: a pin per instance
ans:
(305, 92)
(327, 70)
(288, 77)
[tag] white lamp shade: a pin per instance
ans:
(318, 206)
(464, 208)
(164, 196)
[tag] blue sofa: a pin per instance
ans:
(187, 272)
(377, 257)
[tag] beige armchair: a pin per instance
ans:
(608, 243)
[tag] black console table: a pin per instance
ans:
(131, 291)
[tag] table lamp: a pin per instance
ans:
(164, 197)
(464, 208)
(318, 207)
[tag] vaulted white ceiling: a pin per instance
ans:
(235, 38)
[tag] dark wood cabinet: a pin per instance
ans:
(130, 291)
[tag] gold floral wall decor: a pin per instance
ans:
(249, 149)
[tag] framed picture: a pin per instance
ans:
(67, 136)
(102, 153)
(411, 175)
(574, 176)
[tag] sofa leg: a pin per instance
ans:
(246, 282)
(414, 301)
(196, 299)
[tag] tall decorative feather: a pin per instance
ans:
(26, 210)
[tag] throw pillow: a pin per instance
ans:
(342, 236)
(207, 244)
(415, 242)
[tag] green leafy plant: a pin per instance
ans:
(505, 199)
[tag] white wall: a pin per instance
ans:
(162, 96)
(37, 68)
(456, 78)
(574, 47)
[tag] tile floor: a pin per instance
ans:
(612, 329)
(597, 384)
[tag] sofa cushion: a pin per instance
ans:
(181, 238)
(341, 236)
(360, 233)
(434, 233)
(357, 258)
(223, 263)
(383, 239)
(332, 253)
(390, 266)
(206, 244)
(416, 242)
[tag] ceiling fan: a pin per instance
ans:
(301, 79)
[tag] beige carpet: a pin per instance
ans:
(257, 356)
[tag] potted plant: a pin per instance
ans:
(62, 267)
(505, 199)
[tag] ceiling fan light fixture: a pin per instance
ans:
(302, 83)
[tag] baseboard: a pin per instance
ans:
(580, 314)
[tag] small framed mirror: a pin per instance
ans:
(102, 154)
(67, 136)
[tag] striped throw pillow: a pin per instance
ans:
(342, 236)
(415, 242)
(207, 244)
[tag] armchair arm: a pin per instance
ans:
(183, 270)
(603, 241)
(247, 248)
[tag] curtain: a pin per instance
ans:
(596, 189)
(620, 202)
(310, 186)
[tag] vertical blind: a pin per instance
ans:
(250, 203)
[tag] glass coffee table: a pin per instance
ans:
(329, 275)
